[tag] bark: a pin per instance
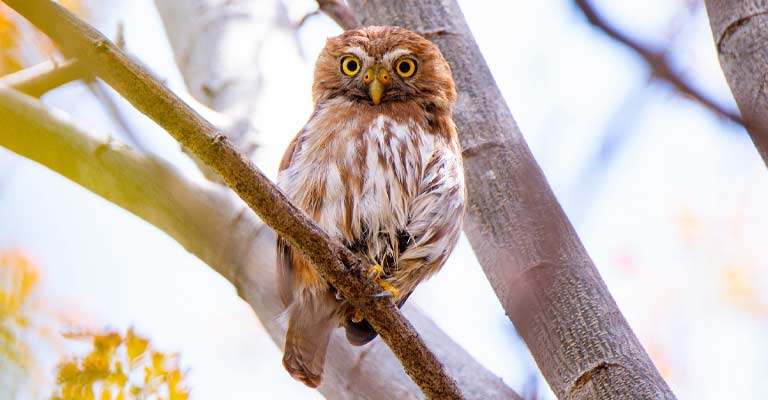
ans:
(531, 254)
(223, 233)
(741, 37)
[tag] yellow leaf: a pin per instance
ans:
(107, 343)
(88, 393)
(135, 345)
(158, 361)
(161, 371)
(68, 372)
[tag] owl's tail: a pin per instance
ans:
(309, 329)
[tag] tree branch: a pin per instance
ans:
(207, 221)
(339, 12)
(39, 79)
(739, 30)
(193, 43)
(531, 254)
(334, 262)
(657, 62)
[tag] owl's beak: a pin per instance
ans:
(377, 81)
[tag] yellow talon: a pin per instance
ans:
(388, 287)
(374, 273)
(357, 317)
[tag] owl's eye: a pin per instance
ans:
(350, 65)
(406, 67)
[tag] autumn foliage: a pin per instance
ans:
(120, 367)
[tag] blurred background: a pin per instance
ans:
(667, 193)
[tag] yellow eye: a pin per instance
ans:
(350, 65)
(406, 67)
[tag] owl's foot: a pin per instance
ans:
(388, 290)
(374, 273)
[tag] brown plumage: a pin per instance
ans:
(378, 167)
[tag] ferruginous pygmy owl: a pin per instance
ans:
(378, 167)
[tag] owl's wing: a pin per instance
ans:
(285, 270)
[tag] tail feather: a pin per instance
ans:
(309, 329)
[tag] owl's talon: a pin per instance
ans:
(375, 272)
(381, 295)
(389, 289)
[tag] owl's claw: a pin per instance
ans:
(389, 290)
(374, 273)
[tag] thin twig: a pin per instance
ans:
(334, 262)
(339, 12)
(656, 60)
(41, 78)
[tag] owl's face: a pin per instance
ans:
(382, 64)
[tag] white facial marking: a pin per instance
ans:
(365, 59)
(391, 56)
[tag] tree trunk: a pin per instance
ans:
(741, 38)
(531, 254)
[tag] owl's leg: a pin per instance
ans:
(389, 290)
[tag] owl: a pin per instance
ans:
(378, 167)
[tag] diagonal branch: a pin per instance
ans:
(224, 234)
(333, 261)
(532, 256)
(656, 60)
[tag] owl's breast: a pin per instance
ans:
(357, 180)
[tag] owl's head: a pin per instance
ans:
(383, 64)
